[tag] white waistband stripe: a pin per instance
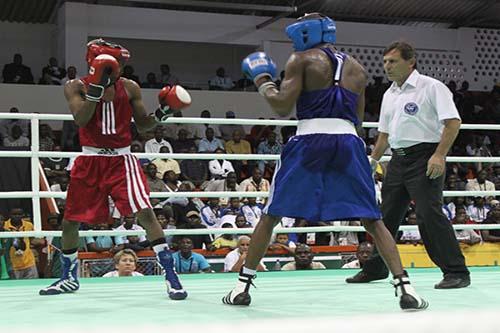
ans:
(325, 126)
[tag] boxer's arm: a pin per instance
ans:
(143, 120)
(82, 109)
(282, 101)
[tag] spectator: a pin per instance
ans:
(282, 242)
(16, 139)
(137, 147)
(154, 182)
(55, 166)
(258, 133)
(225, 240)
(245, 84)
(480, 183)
(210, 214)
(182, 144)
(125, 263)
(154, 145)
(128, 72)
(16, 72)
(478, 211)
(468, 236)
(20, 255)
(220, 81)
(233, 208)
(226, 130)
(151, 82)
(492, 235)
(411, 236)
(252, 211)
(344, 238)
(194, 171)
(129, 223)
(70, 75)
(255, 184)
(209, 144)
(223, 185)
(241, 222)
(99, 243)
(166, 164)
(363, 253)
(46, 79)
(171, 180)
(46, 138)
(239, 146)
(187, 261)
(55, 73)
(7, 124)
(69, 136)
(172, 130)
(194, 222)
(269, 146)
(235, 259)
(303, 260)
(220, 169)
(199, 130)
(166, 77)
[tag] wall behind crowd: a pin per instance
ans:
(194, 44)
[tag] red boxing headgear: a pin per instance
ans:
(100, 46)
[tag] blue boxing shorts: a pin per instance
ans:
(323, 177)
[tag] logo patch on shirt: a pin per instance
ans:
(411, 108)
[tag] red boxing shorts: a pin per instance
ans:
(94, 178)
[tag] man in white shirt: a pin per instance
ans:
(154, 145)
(420, 122)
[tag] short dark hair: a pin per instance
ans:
(406, 49)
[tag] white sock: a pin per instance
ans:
(160, 247)
(248, 271)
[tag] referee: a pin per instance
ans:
(419, 121)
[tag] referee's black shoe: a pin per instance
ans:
(362, 277)
(453, 282)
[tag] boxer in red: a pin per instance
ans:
(103, 104)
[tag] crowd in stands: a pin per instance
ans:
(218, 174)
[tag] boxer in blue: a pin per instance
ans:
(325, 161)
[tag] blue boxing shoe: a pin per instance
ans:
(174, 286)
(68, 283)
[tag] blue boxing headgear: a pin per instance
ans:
(309, 33)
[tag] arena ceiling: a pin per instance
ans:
(428, 13)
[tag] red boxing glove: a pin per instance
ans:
(170, 99)
(104, 70)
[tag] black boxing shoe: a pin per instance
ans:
(363, 277)
(453, 282)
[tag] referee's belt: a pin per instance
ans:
(426, 146)
(87, 150)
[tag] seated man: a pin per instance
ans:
(303, 260)
(468, 236)
(125, 264)
(235, 259)
(187, 261)
(364, 252)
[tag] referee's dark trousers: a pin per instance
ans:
(406, 180)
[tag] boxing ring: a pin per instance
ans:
(283, 301)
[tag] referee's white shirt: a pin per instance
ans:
(415, 112)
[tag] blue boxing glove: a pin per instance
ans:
(258, 65)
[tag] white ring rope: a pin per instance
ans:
(218, 121)
(226, 194)
(219, 231)
(35, 154)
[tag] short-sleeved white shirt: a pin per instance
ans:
(415, 112)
